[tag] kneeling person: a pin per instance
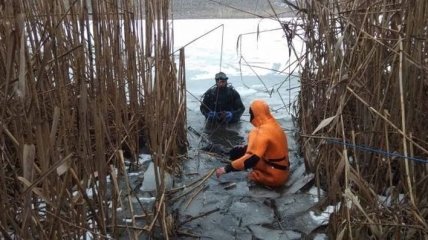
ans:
(266, 152)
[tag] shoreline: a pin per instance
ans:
(229, 9)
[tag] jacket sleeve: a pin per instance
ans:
(238, 106)
(255, 150)
(206, 105)
(249, 162)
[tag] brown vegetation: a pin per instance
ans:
(363, 114)
(76, 88)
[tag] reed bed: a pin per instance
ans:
(81, 82)
(362, 112)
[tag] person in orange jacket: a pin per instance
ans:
(266, 152)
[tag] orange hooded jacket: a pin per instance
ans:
(267, 150)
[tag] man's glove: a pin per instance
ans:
(228, 116)
(211, 115)
(237, 152)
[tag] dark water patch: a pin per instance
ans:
(260, 232)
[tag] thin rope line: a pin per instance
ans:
(221, 50)
(376, 150)
(201, 36)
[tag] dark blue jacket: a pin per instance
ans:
(223, 99)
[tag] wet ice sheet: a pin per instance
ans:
(272, 234)
(245, 210)
(149, 183)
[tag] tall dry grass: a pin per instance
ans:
(81, 81)
(363, 114)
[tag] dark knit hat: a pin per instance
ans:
(221, 76)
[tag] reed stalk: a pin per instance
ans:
(367, 61)
(403, 120)
(77, 89)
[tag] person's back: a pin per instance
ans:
(276, 139)
(222, 103)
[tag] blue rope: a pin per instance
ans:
(379, 151)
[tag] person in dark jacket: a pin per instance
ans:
(222, 103)
(267, 150)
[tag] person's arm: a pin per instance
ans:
(238, 106)
(255, 150)
(247, 161)
(206, 105)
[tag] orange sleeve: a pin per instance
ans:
(257, 145)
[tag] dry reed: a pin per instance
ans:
(362, 107)
(82, 80)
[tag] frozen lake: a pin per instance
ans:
(252, 52)
(258, 66)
